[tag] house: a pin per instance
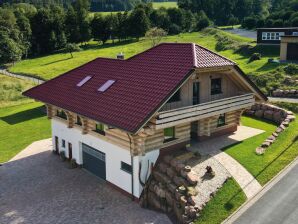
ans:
(116, 117)
(289, 48)
(273, 35)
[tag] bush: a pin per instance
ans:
(291, 69)
(255, 57)
(174, 29)
(73, 164)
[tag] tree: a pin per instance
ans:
(202, 21)
(249, 22)
(233, 21)
(139, 23)
(155, 35)
(160, 18)
(70, 48)
(10, 50)
(100, 28)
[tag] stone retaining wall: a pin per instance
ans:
(285, 93)
(274, 114)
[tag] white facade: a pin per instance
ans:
(114, 155)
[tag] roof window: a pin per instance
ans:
(105, 86)
(83, 81)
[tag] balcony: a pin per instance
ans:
(201, 111)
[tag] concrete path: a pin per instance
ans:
(247, 182)
(278, 204)
(36, 187)
(25, 77)
(282, 99)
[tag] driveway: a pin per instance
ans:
(37, 188)
(279, 205)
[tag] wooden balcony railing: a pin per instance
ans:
(197, 112)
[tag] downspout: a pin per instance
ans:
(132, 168)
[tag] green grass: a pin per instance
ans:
(20, 126)
(278, 155)
(11, 91)
(226, 201)
(157, 5)
(56, 64)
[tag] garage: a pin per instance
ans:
(292, 53)
(94, 161)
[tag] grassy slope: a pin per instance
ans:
(11, 91)
(281, 153)
(20, 126)
(157, 5)
(56, 64)
(226, 201)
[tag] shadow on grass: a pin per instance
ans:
(24, 115)
(108, 45)
(53, 62)
(229, 204)
(268, 67)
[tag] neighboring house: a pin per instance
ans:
(115, 117)
(273, 35)
(289, 48)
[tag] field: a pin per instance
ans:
(11, 91)
(157, 5)
(53, 65)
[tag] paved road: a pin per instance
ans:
(243, 33)
(287, 100)
(20, 76)
(277, 206)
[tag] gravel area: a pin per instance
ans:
(36, 187)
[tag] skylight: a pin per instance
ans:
(105, 86)
(83, 81)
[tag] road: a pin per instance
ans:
(286, 100)
(279, 205)
(244, 33)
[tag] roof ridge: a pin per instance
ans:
(206, 49)
(195, 60)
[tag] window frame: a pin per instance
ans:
(221, 121)
(169, 138)
(126, 167)
(100, 131)
(216, 91)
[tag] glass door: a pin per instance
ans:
(196, 93)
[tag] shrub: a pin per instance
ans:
(73, 164)
(249, 22)
(291, 69)
(255, 57)
(174, 29)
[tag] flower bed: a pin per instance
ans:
(274, 114)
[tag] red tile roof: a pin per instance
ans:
(143, 83)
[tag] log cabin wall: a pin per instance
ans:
(229, 89)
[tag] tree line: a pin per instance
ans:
(26, 30)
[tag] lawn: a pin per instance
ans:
(11, 91)
(227, 200)
(20, 126)
(169, 4)
(52, 65)
(280, 154)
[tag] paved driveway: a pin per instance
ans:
(36, 187)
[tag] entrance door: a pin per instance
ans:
(56, 145)
(292, 52)
(94, 161)
(196, 93)
(69, 151)
(194, 130)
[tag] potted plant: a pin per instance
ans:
(73, 164)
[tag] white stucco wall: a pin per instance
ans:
(114, 155)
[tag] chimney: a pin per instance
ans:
(120, 56)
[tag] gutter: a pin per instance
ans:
(132, 169)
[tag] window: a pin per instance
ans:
(99, 128)
(79, 121)
(63, 143)
(61, 114)
(215, 86)
(169, 134)
(126, 167)
(175, 97)
(221, 120)
(272, 35)
(106, 85)
(83, 81)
